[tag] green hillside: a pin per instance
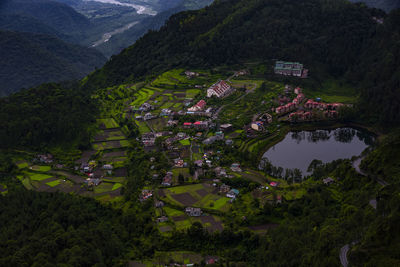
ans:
(31, 59)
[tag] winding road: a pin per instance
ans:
(356, 165)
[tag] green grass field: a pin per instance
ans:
(108, 123)
(142, 96)
(38, 176)
(172, 212)
(191, 93)
(54, 183)
(333, 91)
(103, 187)
(116, 186)
(41, 168)
(22, 165)
(185, 142)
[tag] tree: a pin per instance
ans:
(181, 178)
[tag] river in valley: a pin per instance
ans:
(140, 9)
(299, 149)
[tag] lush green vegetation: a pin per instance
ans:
(46, 115)
(40, 59)
(296, 223)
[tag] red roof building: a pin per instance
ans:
(219, 89)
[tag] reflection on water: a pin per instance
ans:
(299, 149)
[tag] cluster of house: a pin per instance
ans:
(330, 109)
(311, 104)
(45, 158)
(292, 105)
(198, 125)
(149, 139)
(300, 115)
(191, 74)
(219, 89)
(290, 69)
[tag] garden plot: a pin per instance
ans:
(142, 96)
(110, 144)
(109, 135)
(211, 223)
(22, 164)
(107, 123)
(86, 155)
(158, 124)
(40, 168)
(197, 195)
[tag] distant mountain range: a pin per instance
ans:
(53, 36)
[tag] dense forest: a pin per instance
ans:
(40, 58)
(45, 115)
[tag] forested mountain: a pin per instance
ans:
(58, 16)
(386, 5)
(29, 59)
(332, 37)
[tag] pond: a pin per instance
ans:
(299, 149)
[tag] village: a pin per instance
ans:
(198, 129)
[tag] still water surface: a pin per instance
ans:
(298, 149)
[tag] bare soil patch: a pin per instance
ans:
(165, 228)
(185, 199)
(121, 172)
(85, 156)
(114, 154)
(161, 193)
(179, 218)
(202, 192)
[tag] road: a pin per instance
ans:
(343, 255)
(356, 165)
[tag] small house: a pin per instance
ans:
(194, 212)
(162, 219)
(167, 180)
(232, 193)
(257, 126)
(328, 181)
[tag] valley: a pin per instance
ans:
(245, 133)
